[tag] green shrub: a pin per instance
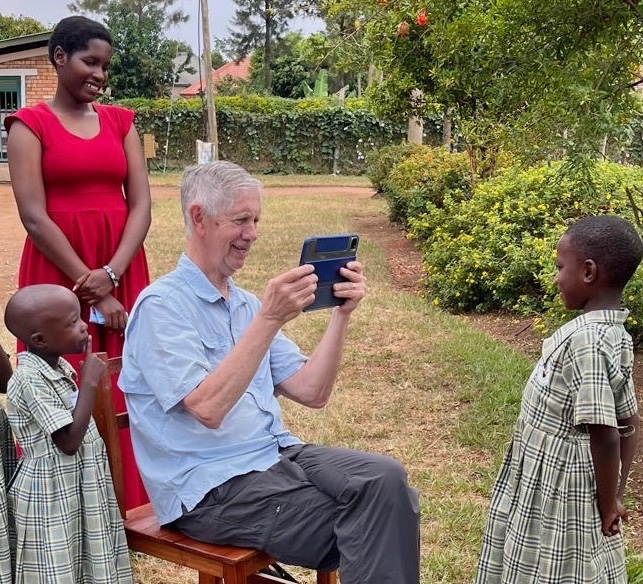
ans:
(382, 161)
(268, 134)
(496, 250)
(423, 180)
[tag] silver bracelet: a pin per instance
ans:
(112, 275)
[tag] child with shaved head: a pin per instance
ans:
(68, 526)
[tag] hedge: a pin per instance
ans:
(271, 135)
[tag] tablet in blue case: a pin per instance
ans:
(328, 254)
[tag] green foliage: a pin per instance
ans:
(382, 161)
(496, 250)
(545, 77)
(271, 135)
(136, 8)
(142, 60)
(258, 24)
(17, 26)
(424, 179)
(635, 569)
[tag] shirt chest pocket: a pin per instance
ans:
(215, 349)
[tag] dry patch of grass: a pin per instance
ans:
(276, 180)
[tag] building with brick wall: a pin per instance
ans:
(26, 78)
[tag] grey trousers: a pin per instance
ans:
(319, 508)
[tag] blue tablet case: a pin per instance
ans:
(328, 254)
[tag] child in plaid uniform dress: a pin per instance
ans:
(8, 460)
(67, 522)
(556, 506)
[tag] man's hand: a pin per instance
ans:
(354, 289)
(288, 294)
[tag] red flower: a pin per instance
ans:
(383, 3)
(422, 19)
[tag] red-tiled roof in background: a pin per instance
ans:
(240, 70)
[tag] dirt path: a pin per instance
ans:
(405, 266)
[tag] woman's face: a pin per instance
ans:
(83, 74)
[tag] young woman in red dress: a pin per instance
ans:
(80, 182)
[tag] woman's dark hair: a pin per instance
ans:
(74, 33)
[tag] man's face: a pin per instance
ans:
(230, 236)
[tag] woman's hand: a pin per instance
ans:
(93, 286)
(113, 311)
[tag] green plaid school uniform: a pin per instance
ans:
(8, 460)
(544, 526)
(67, 522)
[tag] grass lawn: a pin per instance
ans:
(276, 180)
(417, 384)
(409, 375)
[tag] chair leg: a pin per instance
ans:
(209, 579)
(326, 577)
(234, 574)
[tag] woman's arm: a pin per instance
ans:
(25, 168)
(98, 284)
(139, 202)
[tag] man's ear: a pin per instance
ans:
(590, 271)
(37, 341)
(60, 57)
(197, 216)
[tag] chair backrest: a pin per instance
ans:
(109, 423)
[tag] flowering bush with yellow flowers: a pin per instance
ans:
(423, 179)
(496, 248)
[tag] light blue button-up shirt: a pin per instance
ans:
(179, 330)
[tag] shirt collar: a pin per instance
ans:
(62, 369)
(201, 286)
(550, 344)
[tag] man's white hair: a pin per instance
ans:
(215, 187)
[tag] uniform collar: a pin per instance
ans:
(550, 344)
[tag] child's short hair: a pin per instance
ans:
(73, 34)
(612, 242)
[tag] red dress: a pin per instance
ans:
(83, 180)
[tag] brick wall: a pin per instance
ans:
(39, 87)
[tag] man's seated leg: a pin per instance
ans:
(315, 506)
(377, 525)
(278, 511)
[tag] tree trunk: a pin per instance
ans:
(267, 47)
(415, 129)
(446, 127)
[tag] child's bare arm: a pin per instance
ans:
(605, 448)
(628, 449)
(70, 437)
(5, 370)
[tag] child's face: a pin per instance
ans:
(570, 278)
(62, 329)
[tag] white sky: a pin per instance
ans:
(221, 12)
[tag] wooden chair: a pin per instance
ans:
(215, 564)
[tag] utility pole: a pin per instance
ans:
(212, 135)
